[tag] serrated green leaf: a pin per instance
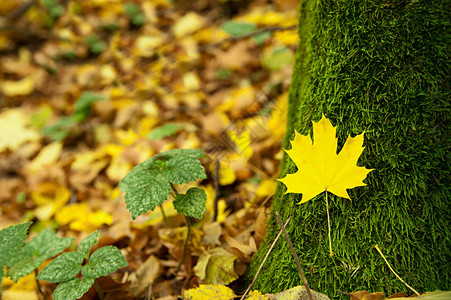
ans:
(63, 268)
(146, 193)
(103, 262)
(12, 239)
(73, 289)
(147, 185)
(86, 244)
(192, 203)
(235, 28)
(45, 245)
(164, 131)
(183, 169)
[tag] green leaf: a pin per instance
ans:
(63, 268)
(278, 59)
(183, 166)
(146, 193)
(73, 289)
(103, 262)
(147, 186)
(45, 245)
(164, 131)
(83, 105)
(12, 239)
(95, 44)
(86, 244)
(134, 13)
(235, 28)
(192, 203)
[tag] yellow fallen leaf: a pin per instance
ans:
(191, 81)
(256, 295)
(266, 187)
(210, 291)
(21, 87)
(320, 168)
(145, 45)
(15, 131)
(49, 198)
(188, 24)
(242, 142)
(46, 157)
(80, 217)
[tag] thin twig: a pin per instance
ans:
(98, 290)
(301, 272)
(397, 276)
(249, 35)
(264, 259)
(328, 224)
(215, 205)
(349, 294)
(185, 244)
(38, 284)
(20, 11)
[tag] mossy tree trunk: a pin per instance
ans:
(382, 67)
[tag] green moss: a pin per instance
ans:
(382, 67)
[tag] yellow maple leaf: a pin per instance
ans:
(320, 168)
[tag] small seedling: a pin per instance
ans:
(23, 258)
(150, 183)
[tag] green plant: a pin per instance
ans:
(150, 183)
(61, 129)
(23, 258)
(133, 11)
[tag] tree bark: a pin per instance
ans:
(381, 67)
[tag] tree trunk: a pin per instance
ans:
(381, 67)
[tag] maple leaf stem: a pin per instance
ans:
(328, 225)
(298, 264)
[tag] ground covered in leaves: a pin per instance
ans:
(89, 89)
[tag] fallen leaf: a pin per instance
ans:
(18, 131)
(298, 293)
(46, 157)
(216, 267)
(187, 24)
(365, 295)
(320, 168)
(145, 275)
(21, 87)
(210, 291)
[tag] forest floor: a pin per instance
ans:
(89, 89)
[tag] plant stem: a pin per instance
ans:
(298, 264)
(164, 216)
(98, 290)
(215, 207)
(265, 258)
(328, 224)
(38, 284)
(185, 244)
(397, 276)
(174, 189)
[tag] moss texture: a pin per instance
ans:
(382, 67)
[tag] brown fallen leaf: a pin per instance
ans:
(365, 295)
(145, 275)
